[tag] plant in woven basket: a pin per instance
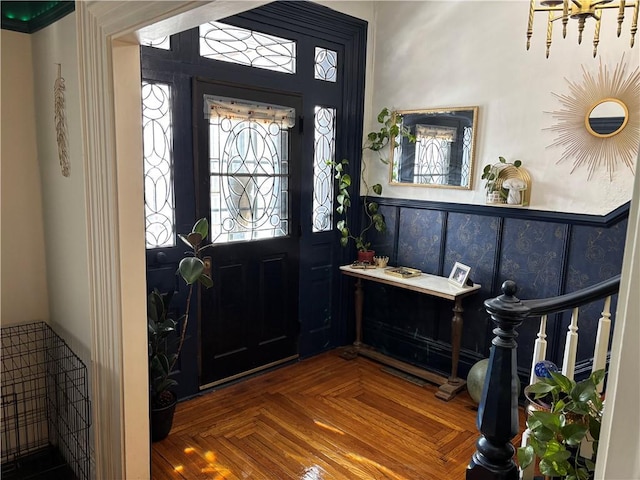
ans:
(163, 354)
(569, 414)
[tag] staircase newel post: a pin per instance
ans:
(497, 418)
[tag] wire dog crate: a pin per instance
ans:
(45, 406)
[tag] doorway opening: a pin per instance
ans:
(261, 180)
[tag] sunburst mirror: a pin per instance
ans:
(599, 122)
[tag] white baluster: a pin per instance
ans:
(527, 473)
(602, 339)
(539, 354)
(571, 346)
(539, 349)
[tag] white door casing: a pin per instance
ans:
(108, 56)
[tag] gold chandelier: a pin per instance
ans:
(580, 10)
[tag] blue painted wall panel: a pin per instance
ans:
(419, 238)
(545, 253)
(532, 256)
(595, 254)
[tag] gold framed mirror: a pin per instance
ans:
(598, 124)
(606, 118)
(443, 153)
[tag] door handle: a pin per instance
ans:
(207, 266)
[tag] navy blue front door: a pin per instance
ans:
(248, 163)
(292, 279)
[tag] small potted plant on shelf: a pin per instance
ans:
(563, 417)
(495, 191)
(377, 141)
(163, 355)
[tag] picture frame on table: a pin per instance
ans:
(459, 274)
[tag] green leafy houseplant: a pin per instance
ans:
(570, 413)
(162, 354)
(377, 141)
(491, 172)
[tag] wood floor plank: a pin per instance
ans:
(334, 445)
(363, 434)
(239, 463)
(319, 419)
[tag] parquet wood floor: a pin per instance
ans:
(321, 418)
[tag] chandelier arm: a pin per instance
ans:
(634, 22)
(549, 32)
(581, 22)
(621, 16)
(613, 5)
(581, 10)
(596, 37)
(532, 9)
(565, 17)
(549, 9)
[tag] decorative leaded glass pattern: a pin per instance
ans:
(227, 43)
(324, 150)
(249, 168)
(433, 154)
(465, 170)
(157, 131)
(326, 65)
(163, 43)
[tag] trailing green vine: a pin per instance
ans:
(377, 141)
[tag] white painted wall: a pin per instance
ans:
(618, 457)
(63, 198)
(446, 54)
(23, 291)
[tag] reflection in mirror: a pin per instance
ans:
(607, 118)
(442, 155)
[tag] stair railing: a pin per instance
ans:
(497, 418)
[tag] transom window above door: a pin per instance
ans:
(325, 65)
(228, 43)
(249, 169)
(163, 43)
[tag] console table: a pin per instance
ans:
(429, 285)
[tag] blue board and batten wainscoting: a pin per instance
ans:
(545, 253)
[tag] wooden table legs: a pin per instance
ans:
(454, 384)
(449, 387)
(349, 353)
(359, 304)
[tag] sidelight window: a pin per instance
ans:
(157, 131)
(323, 151)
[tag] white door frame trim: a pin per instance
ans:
(115, 217)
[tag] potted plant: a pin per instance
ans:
(494, 189)
(163, 355)
(563, 415)
(377, 141)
